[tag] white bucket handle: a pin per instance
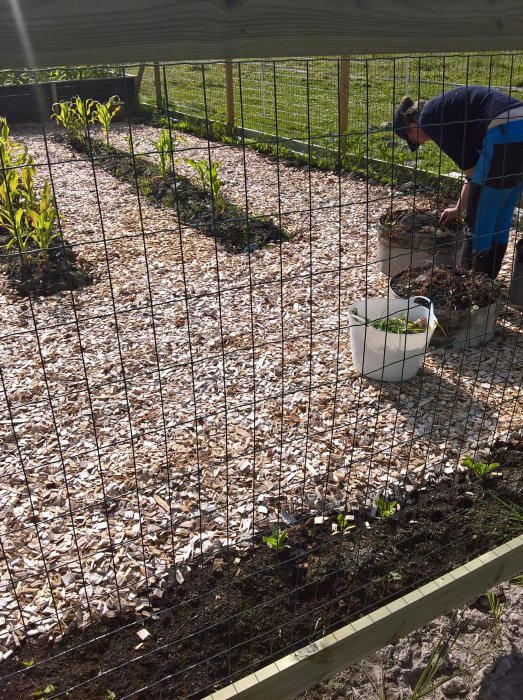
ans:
(415, 299)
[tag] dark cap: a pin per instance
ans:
(401, 127)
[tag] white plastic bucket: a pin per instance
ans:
(390, 357)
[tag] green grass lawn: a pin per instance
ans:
(298, 98)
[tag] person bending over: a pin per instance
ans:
(481, 129)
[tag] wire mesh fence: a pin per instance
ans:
(195, 475)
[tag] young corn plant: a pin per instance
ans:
(479, 469)
(210, 180)
(67, 117)
(277, 539)
(13, 214)
(165, 146)
(74, 116)
(105, 112)
(85, 111)
(42, 219)
(27, 216)
(385, 508)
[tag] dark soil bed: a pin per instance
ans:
(238, 611)
(447, 287)
(194, 207)
(35, 275)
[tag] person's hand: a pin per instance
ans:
(448, 216)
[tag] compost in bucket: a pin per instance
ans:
(389, 337)
(409, 238)
(466, 302)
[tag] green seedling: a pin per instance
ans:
(385, 508)
(510, 511)
(430, 678)
(110, 695)
(394, 576)
(277, 539)
(105, 112)
(342, 526)
(29, 663)
(43, 694)
(479, 469)
(495, 605)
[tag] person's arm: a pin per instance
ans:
(460, 209)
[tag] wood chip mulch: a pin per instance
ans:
(190, 397)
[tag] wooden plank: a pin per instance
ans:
(287, 678)
(138, 84)
(71, 32)
(229, 97)
(158, 86)
(343, 102)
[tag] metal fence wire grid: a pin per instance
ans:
(225, 430)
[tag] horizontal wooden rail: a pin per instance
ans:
(287, 678)
(71, 32)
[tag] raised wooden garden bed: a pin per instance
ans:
(31, 103)
(240, 610)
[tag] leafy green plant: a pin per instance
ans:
(385, 508)
(28, 664)
(210, 180)
(399, 325)
(110, 695)
(479, 469)
(105, 112)
(394, 576)
(24, 77)
(342, 525)
(277, 539)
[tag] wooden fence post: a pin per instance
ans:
(229, 97)
(158, 86)
(343, 106)
(138, 84)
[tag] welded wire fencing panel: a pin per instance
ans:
(199, 470)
